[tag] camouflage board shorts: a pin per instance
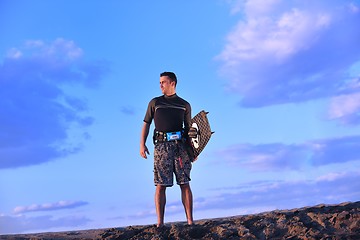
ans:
(169, 158)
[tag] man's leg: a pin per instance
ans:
(160, 201)
(187, 200)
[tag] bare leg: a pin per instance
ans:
(160, 201)
(187, 200)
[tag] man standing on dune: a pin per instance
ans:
(172, 116)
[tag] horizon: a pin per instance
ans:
(279, 78)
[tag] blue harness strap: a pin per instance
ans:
(167, 136)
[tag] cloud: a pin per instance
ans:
(36, 111)
(19, 222)
(263, 157)
(49, 206)
(128, 110)
(23, 224)
(292, 51)
(264, 195)
(345, 108)
(259, 196)
(172, 208)
(281, 157)
(331, 188)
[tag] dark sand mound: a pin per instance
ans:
(340, 221)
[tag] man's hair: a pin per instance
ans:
(171, 75)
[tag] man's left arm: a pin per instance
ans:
(189, 130)
(144, 134)
(187, 118)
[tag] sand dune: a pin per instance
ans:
(341, 221)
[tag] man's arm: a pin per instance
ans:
(144, 134)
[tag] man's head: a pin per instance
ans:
(171, 75)
(168, 83)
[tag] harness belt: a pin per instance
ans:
(167, 136)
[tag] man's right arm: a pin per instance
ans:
(144, 134)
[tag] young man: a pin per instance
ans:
(172, 116)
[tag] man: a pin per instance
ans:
(172, 116)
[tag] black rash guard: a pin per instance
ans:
(170, 113)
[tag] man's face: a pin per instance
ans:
(167, 86)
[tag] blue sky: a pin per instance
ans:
(280, 78)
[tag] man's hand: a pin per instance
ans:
(192, 132)
(143, 151)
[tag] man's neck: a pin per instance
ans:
(170, 95)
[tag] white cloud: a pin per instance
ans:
(254, 197)
(36, 113)
(266, 39)
(260, 7)
(289, 51)
(21, 223)
(59, 48)
(24, 224)
(253, 7)
(264, 157)
(49, 206)
(128, 110)
(354, 8)
(287, 194)
(14, 53)
(282, 157)
(345, 108)
(333, 176)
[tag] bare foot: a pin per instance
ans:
(190, 223)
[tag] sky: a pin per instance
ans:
(279, 78)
